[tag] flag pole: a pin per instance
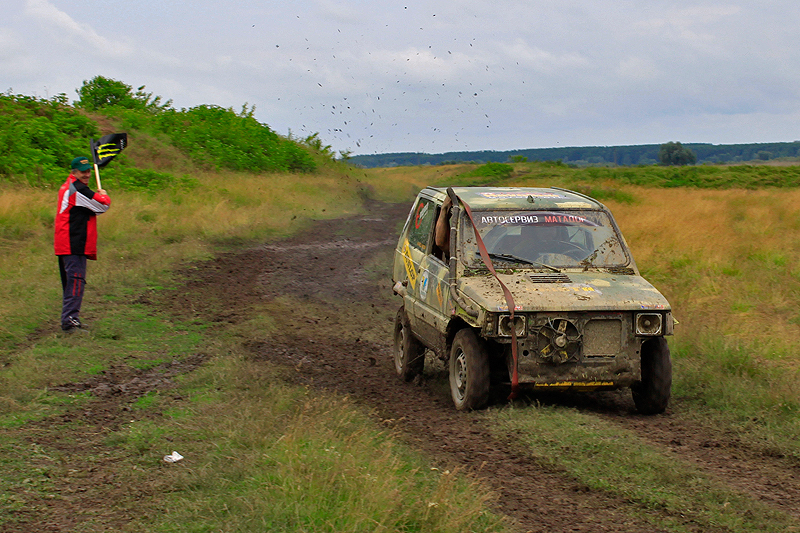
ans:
(97, 176)
(93, 148)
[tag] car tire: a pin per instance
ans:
(469, 371)
(651, 394)
(409, 353)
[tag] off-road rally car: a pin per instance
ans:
(527, 287)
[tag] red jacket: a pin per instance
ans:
(76, 219)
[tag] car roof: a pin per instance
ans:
(522, 198)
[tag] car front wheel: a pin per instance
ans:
(651, 394)
(469, 371)
(409, 353)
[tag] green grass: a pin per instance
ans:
(729, 382)
(126, 335)
(612, 459)
(291, 461)
(20, 477)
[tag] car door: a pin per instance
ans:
(433, 298)
(414, 249)
(432, 288)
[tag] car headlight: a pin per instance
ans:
(649, 324)
(504, 325)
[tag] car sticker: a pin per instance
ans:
(422, 210)
(423, 286)
(517, 219)
(410, 269)
(540, 217)
(505, 308)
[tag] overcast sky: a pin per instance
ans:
(434, 76)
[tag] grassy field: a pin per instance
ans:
(725, 255)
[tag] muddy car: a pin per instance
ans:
(527, 287)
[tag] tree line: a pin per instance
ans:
(631, 155)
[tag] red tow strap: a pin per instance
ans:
(509, 300)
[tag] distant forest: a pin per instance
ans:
(643, 154)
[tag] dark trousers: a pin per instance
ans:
(73, 280)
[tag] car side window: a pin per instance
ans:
(419, 233)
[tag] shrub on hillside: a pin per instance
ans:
(39, 138)
(215, 137)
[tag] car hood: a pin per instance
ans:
(567, 291)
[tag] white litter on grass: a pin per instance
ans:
(174, 457)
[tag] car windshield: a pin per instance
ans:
(542, 239)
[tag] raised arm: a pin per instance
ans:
(99, 201)
(442, 234)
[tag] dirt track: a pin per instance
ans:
(336, 278)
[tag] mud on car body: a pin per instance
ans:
(582, 317)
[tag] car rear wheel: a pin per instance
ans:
(651, 394)
(409, 353)
(469, 371)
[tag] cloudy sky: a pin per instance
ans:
(374, 76)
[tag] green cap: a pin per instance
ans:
(81, 163)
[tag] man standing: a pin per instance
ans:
(76, 236)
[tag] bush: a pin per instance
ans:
(216, 138)
(101, 92)
(39, 138)
(212, 136)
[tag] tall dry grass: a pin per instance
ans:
(729, 261)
